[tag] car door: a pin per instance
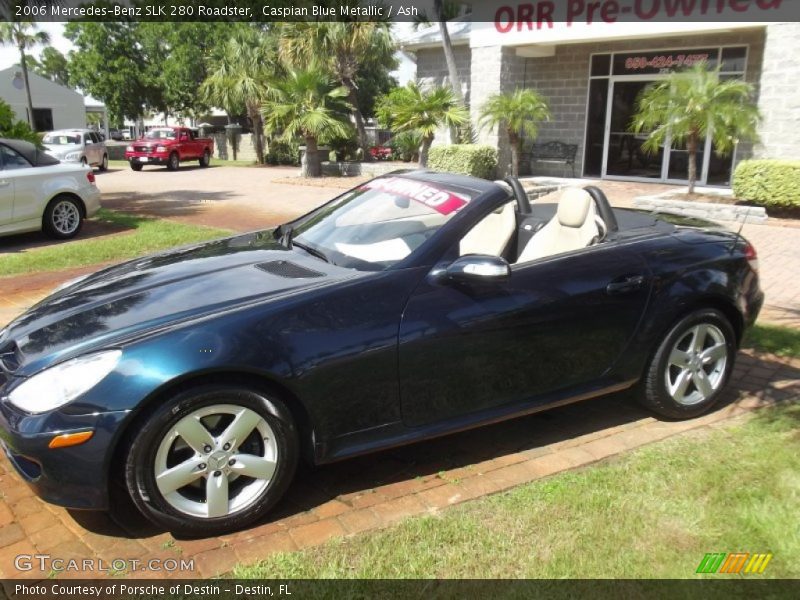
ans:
(556, 323)
(97, 149)
(6, 194)
(24, 183)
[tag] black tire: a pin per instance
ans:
(84, 162)
(206, 159)
(136, 166)
(63, 217)
(655, 386)
(104, 163)
(140, 463)
(173, 162)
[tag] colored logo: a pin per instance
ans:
(734, 562)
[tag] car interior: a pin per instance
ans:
(521, 233)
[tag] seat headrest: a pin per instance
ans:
(573, 207)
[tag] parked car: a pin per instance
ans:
(115, 134)
(382, 152)
(412, 306)
(39, 192)
(169, 146)
(77, 145)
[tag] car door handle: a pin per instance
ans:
(625, 285)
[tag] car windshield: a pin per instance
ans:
(378, 224)
(61, 139)
(161, 134)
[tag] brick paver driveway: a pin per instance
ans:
(374, 491)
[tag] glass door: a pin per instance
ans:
(625, 157)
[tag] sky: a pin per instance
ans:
(9, 55)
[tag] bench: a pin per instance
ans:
(553, 152)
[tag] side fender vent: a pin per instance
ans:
(289, 270)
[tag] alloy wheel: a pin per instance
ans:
(216, 461)
(696, 365)
(66, 217)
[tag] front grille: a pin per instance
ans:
(146, 149)
(289, 270)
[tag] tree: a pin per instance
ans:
(240, 77)
(108, 63)
(691, 104)
(520, 112)
(24, 36)
(52, 65)
(351, 48)
(16, 130)
(307, 103)
(443, 10)
(411, 108)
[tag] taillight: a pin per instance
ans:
(90, 176)
(752, 256)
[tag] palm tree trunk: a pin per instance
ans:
(514, 142)
(361, 130)
(449, 55)
(691, 148)
(258, 132)
(24, 64)
(423, 150)
(311, 164)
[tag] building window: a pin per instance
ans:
(43, 119)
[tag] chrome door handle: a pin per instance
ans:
(626, 285)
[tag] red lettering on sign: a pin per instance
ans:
(439, 200)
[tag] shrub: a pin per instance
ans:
(283, 153)
(405, 146)
(468, 159)
(769, 183)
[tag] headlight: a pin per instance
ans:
(72, 156)
(128, 148)
(63, 383)
(161, 149)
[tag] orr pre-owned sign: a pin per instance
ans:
(522, 22)
(547, 13)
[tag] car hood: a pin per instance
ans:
(134, 298)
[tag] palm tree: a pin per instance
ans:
(411, 108)
(520, 112)
(348, 46)
(689, 105)
(306, 102)
(24, 35)
(444, 11)
(240, 76)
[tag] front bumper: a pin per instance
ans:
(73, 477)
(147, 158)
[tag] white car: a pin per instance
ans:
(77, 145)
(39, 192)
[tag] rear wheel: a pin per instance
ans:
(211, 460)
(173, 162)
(63, 217)
(136, 166)
(206, 159)
(692, 365)
(84, 162)
(104, 163)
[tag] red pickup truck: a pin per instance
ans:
(169, 146)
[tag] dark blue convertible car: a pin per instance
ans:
(412, 306)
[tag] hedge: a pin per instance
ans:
(769, 183)
(466, 159)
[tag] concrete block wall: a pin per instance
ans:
(779, 100)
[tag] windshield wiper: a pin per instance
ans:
(312, 251)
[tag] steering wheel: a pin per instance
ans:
(523, 203)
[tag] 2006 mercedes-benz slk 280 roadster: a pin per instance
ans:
(415, 305)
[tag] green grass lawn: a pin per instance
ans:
(653, 513)
(138, 235)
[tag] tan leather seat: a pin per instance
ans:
(573, 227)
(492, 233)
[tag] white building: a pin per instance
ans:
(54, 106)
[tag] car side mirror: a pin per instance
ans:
(479, 267)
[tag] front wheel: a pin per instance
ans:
(63, 218)
(206, 159)
(136, 166)
(691, 366)
(173, 162)
(212, 460)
